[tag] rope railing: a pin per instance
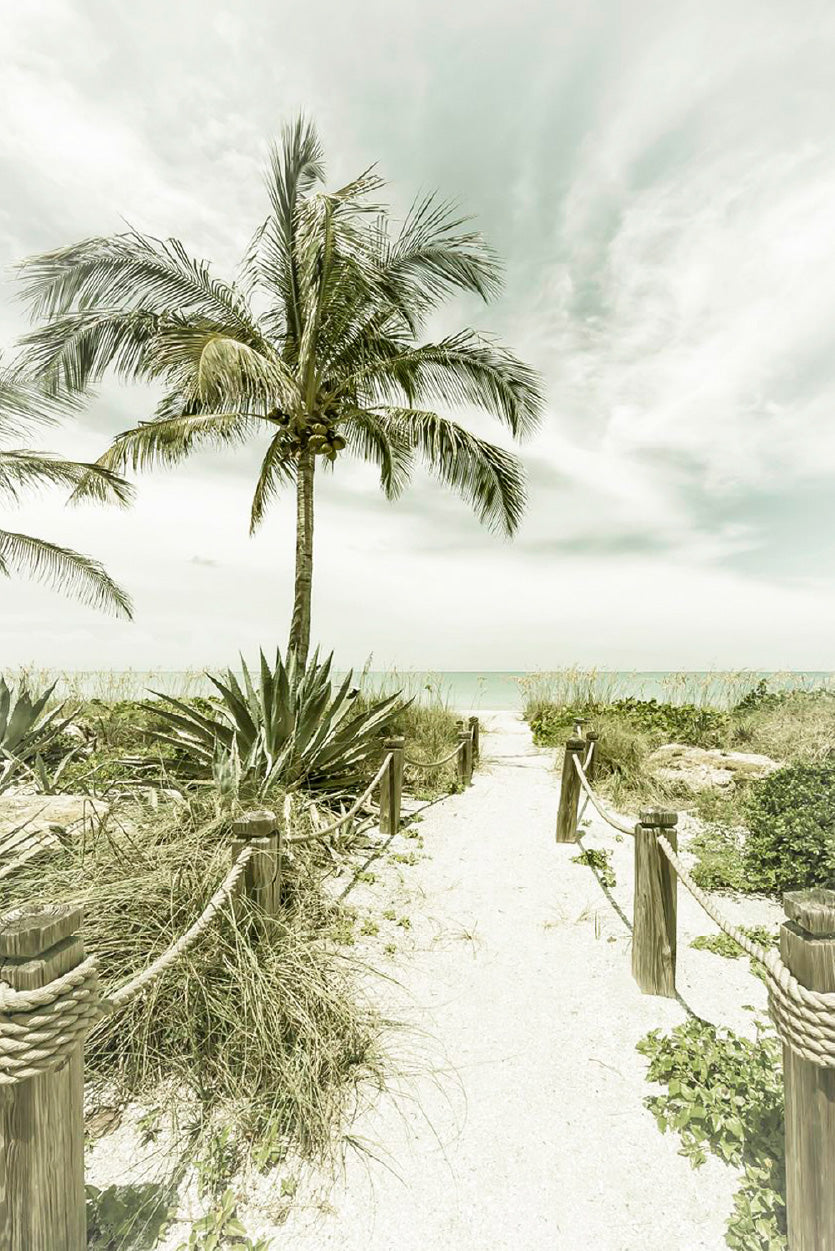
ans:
(586, 764)
(800, 982)
(805, 1019)
(219, 899)
(597, 803)
(43, 1028)
(297, 839)
(434, 764)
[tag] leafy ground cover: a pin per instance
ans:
(724, 1095)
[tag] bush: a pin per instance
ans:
(790, 817)
(664, 723)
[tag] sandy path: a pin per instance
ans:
(523, 1125)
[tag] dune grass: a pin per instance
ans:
(261, 1018)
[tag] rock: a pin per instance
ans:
(703, 768)
(23, 817)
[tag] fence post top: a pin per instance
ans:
(258, 824)
(575, 744)
(813, 910)
(592, 734)
(394, 740)
(32, 930)
(658, 818)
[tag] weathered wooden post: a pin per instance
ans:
(569, 792)
(654, 911)
(465, 757)
(475, 730)
(42, 1200)
(807, 946)
(591, 768)
(391, 786)
(261, 880)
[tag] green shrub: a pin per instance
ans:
(599, 860)
(679, 723)
(719, 859)
(725, 1095)
(663, 723)
(790, 817)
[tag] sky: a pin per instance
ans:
(660, 181)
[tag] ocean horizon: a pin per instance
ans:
(465, 690)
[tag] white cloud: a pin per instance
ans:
(664, 179)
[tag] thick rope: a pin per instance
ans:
(40, 1029)
(352, 812)
(433, 764)
(586, 764)
(607, 816)
(805, 1019)
(221, 896)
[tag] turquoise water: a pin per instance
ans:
(474, 690)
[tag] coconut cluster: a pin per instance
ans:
(318, 436)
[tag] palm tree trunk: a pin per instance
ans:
(300, 626)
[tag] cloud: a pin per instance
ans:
(661, 180)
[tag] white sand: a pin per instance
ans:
(517, 1121)
(522, 1125)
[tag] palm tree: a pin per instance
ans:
(23, 408)
(330, 361)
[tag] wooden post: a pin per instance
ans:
(261, 880)
(391, 786)
(591, 737)
(569, 792)
(42, 1200)
(461, 758)
(469, 755)
(475, 730)
(654, 912)
(807, 946)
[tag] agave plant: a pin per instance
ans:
(283, 726)
(26, 727)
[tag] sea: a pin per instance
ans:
(506, 690)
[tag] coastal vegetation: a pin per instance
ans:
(761, 834)
(260, 1040)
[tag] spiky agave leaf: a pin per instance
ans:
(25, 724)
(285, 724)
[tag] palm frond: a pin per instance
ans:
(21, 469)
(277, 470)
(73, 351)
(24, 404)
(490, 479)
(63, 569)
(432, 256)
(212, 367)
(130, 271)
(295, 167)
(384, 444)
(169, 440)
(462, 369)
